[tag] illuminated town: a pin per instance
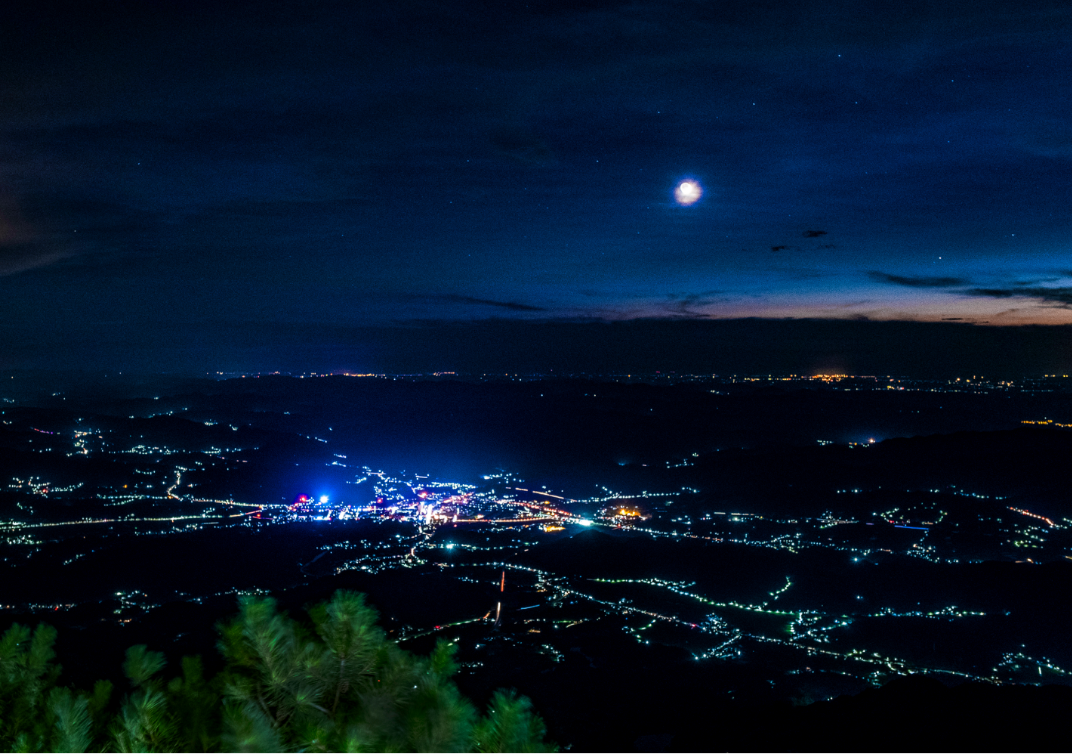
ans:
(823, 577)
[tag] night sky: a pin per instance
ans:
(420, 185)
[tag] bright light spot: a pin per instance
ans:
(688, 192)
(323, 498)
(584, 522)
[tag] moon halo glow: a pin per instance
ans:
(688, 192)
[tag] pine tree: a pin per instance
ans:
(510, 725)
(339, 686)
(27, 677)
(144, 723)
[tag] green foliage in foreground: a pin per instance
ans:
(338, 685)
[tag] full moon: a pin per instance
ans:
(688, 192)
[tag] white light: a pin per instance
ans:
(323, 498)
(584, 522)
(688, 192)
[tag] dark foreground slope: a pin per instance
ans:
(910, 713)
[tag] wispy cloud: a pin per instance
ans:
(911, 281)
(21, 247)
(1058, 296)
(16, 258)
(511, 305)
(686, 304)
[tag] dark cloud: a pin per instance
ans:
(996, 292)
(778, 248)
(1059, 296)
(814, 233)
(511, 305)
(917, 282)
